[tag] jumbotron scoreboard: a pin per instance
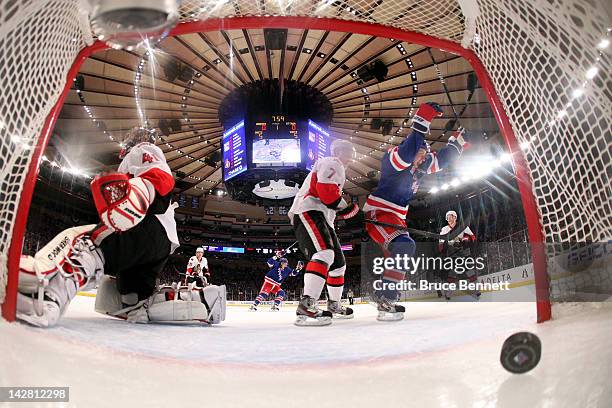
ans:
(272, 155)
(276, 142)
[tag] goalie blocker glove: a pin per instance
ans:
(122, 202)
(424, 115)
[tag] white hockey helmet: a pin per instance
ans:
(451, 212)
(343, 149)
(199, 249)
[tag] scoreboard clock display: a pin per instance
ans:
(276, 141)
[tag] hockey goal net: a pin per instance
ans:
(548, 83)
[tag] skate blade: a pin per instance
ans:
(302, 320)
(252, 310)
(389, 317)
(343, 316)
(275, 310)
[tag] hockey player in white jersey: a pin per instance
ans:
(123, 254)
(312, 215)
(197, 269)
(460, 246)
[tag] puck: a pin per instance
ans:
(521, 352)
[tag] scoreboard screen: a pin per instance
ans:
(234, 151)
(318, 144)
(276, 141)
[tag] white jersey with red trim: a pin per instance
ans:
(322, 190)
(195, 267)
(148, 161)
(467, 232)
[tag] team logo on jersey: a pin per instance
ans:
(148, 158)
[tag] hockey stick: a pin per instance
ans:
(471, 86)
(289, 247)
(445, 237)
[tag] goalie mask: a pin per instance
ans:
(136, 136)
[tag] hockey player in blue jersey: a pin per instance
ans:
(402, 168)
(279, 271)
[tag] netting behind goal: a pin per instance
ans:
(541, 56)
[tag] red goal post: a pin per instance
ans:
(522, 173)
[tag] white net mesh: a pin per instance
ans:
(537, 53)
(39, 41)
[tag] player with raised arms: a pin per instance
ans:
(279, 271)
(401, 170)
(312, 215)
(123, 254)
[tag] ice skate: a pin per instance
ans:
(338, 311)
(275, 308)
(253, 308)
(387, 310)
(474, 293)
(308, 314)
(448, 294)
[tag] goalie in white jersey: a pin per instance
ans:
(123, 254)
(312, 215)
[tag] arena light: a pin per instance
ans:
(444, 186)
(578, 92)
(455, 182)
(603, 44)
(434, 190)
(592, 72)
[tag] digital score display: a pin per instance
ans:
(234, 151)
(276, 142)
(318, 144)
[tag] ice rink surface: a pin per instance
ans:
(441, 355)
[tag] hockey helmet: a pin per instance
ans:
(199, 249)
(343, 150)
(135, 136)
(283, 261)
(451, 212)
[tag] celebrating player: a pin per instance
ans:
(460, 246)
(124, 253)
(197, 269)
(279, 271)
(401, 171)
(312, 215)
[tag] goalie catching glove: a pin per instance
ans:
(347, 212)
(121, 201)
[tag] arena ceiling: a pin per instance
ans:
(106, 103)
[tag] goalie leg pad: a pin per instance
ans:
(215, 299)
(108, 298)
(177, 311)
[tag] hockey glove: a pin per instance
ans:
(347, 212)
(424, 115)
(122, 202)
(459, 139)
